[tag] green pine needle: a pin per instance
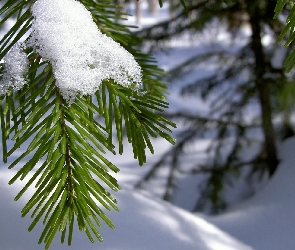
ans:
(67, 144)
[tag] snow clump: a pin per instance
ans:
(16, 65)
(64, 33)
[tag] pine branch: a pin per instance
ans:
(226, 132)
(66, 144)
(67, 157)
(289, 28)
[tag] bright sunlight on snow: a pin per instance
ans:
(143, 223)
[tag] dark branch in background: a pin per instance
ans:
(192, 18)
(208, 121)
(243, 78)
(166, 29)
(198, 127)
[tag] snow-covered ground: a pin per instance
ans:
(263, 222)
(267, 221)
(143, 223)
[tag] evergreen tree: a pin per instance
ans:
(69, 70)
(250, 77)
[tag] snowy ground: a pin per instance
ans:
(264, 222)
(143, 223)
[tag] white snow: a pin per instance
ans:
(16, 66)
(264, 222)
(267, 221)
(64, 33)
(143, 223)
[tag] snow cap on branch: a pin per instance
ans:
(64, 33)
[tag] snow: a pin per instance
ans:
(16, 65)
(143, 223)
(266, 221)
(64, 33)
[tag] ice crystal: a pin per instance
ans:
(64, 33)
(16, 64)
